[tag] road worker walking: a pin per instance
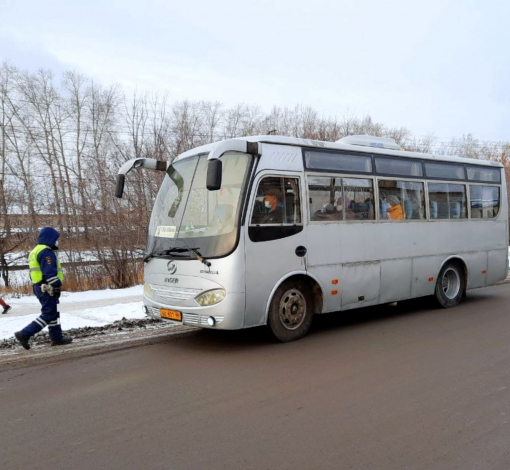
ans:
(46, 276)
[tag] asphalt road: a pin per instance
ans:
(408, 387)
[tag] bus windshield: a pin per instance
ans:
(187, 215)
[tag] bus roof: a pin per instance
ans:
(339, 145)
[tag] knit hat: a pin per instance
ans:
(393, 200)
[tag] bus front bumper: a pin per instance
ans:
(226, 315)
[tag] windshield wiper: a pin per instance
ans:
(192, 250)
(164, 253)
(200, 257)
(178, 249)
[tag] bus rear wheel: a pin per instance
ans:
(450, 285)
(291, 311)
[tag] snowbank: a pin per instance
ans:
(108, 311)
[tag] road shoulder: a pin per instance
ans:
(88, 342)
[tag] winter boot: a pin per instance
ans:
(22, 339)
(6, 309)
(65, 340)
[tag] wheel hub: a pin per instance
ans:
(292, 309)
(450, 283)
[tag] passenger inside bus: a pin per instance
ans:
(329, 212)
(395, 211)
(362, 210)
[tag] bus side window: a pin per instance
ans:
(277, 202)
(414, 200)
(320, 190)
(358, 198)
(401, 200)
(484, 201)
(447, 201)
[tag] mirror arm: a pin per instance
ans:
(214, 164)
(149, 163)
(233, 145)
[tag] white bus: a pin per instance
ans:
(271, 230)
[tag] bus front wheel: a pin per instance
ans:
(450, 285)
(291, 311)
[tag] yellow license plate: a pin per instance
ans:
(170, 314)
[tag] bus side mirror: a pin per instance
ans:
(214, 173)
(119, 190)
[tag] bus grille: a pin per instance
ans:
(174, 293)
(190, 318)
(195, 319)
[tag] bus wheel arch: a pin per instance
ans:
(451, 283)
(292, 307)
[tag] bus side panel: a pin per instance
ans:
(476, 263)
(497, 266)
(396, 276)
(360, 284)
(424, 268)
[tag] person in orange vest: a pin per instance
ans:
(46, 276)
(395, 211)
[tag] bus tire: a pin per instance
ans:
(291, 311)
(450, 285)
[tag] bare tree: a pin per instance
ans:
(62, 142)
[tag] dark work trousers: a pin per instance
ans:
(49, 317)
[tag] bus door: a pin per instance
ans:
(275, 239)
(340, 240)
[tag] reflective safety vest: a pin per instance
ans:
(36, 275)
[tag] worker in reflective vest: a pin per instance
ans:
(46, 276)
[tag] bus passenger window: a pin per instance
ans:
(413, 194)
(484, 201)
(401, 200)
(338, 199)
(325, 201)
(358, 196)
(447, 201)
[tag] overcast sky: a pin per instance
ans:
(434, 66)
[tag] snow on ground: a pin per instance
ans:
(107, 313)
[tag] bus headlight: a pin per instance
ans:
(148, 291)
(211, 297)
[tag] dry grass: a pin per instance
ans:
(97, 278)
(79, 279)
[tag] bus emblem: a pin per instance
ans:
(171, 267)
